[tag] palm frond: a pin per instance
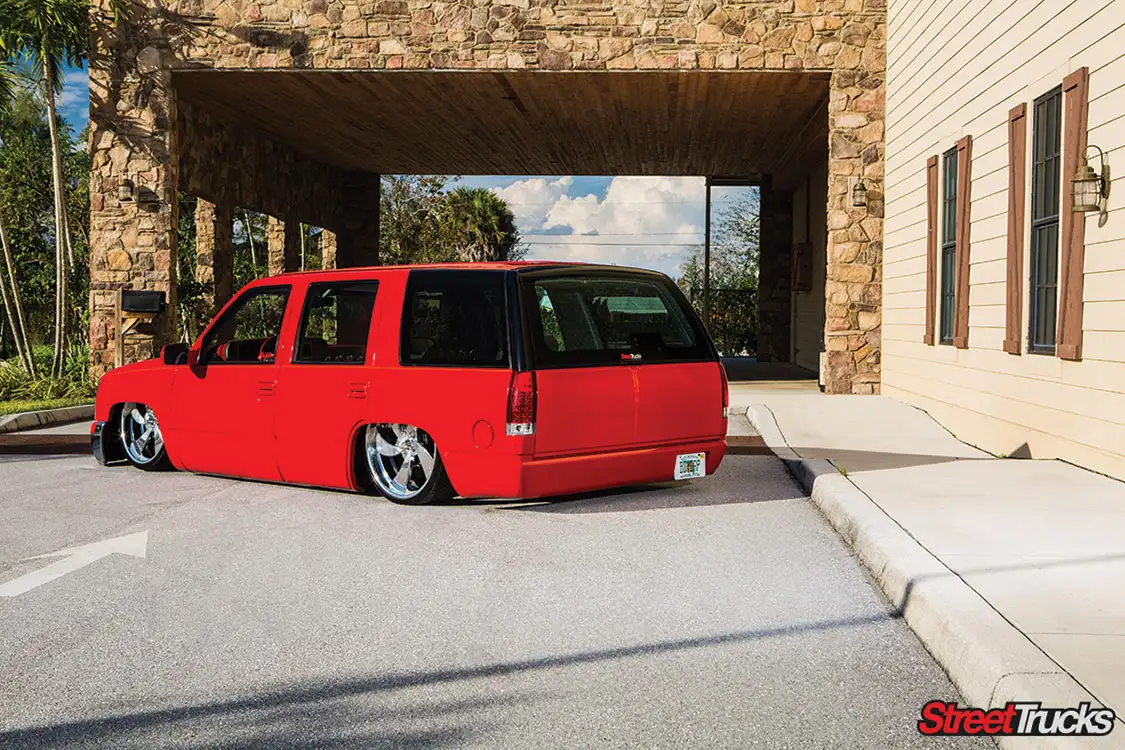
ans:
(8, 83)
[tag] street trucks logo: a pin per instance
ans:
(1015, 720)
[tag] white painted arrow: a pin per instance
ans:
(135, 545)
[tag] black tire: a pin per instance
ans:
(133, 418)
(375, 465)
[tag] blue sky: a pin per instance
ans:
(74, 103)
(652, 222)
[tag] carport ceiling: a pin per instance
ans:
(734, 123)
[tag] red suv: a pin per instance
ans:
(515, 380)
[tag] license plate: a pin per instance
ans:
(691, 465)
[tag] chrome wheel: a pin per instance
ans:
(401, 459)
(140, 434)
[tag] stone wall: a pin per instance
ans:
(136, 131)
(235, 166)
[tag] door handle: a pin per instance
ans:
(357, 390)
(265, 387)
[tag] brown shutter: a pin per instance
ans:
(964, 201)
(1072, 239)
(1017, 198)
(931, 246)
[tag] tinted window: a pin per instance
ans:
(590, 320)
(1045, 190)
(248, 331)
(335, 322)
(455, 318)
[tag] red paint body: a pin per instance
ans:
(596, 427)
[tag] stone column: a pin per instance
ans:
(327, 249)
(853, 290)
(284, 242)
(133, 180)
(774, 270)
(357, 239)
(214, 248)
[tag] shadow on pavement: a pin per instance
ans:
(42, 445)
(301, 715)
(740, 480)
(852, 461)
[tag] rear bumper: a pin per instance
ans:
(525, 477)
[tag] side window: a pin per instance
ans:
(1045, 190)
(455, 319)
(335, 322)
(948, 246)
(247, 333)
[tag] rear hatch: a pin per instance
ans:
(621, 361)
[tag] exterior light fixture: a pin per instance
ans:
(859, 194)
(1089, 189)
(125, 191)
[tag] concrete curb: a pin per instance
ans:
(30, 420)
(988, 659)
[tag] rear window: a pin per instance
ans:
(585, 320)
(455, 319)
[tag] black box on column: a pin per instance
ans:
(142, 301)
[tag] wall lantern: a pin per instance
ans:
(859, 194)
(1089, 188)
(125, 191)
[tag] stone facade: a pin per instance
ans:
(138, 134)
(214, 259)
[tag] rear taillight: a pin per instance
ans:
(726, 390)
(521, 404)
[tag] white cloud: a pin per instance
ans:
(531, 200)
(651, 222)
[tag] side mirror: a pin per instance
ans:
(175, 354)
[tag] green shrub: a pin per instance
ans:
(17, 385)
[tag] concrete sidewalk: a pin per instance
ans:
(1012, 572)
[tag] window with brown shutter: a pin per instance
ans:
(931, 246)
(1076, 91)
(1017, 195)
(964, 202)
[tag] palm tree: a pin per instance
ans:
(49, 34)
(481, 226)
(15, 321)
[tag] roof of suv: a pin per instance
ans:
(494, 265)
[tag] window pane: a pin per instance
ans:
(455, 318)
(589, 320)
(336, 321)
(248, 331)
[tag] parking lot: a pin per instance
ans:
(219, 613)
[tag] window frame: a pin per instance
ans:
(1045, 191)
(416, 276)
(947, 250)
(235, 307)
(301, 321)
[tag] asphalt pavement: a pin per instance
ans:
(723, 612)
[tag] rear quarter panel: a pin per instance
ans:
(462, 408)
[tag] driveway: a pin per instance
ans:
(720, 613)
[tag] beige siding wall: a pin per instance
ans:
(956, 69)
(808, 307)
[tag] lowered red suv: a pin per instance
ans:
(513, 380)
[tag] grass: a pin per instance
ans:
(15, 407)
